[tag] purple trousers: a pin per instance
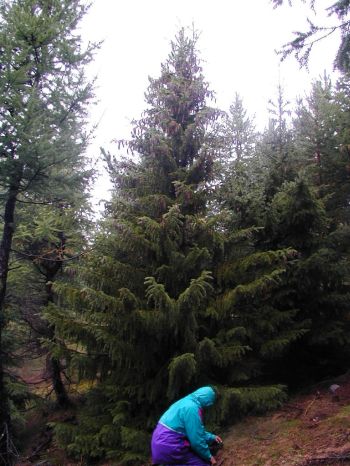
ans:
(170, 447)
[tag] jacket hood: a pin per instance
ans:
(205, 396)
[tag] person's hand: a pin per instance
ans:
(212, 460)
(218, 439)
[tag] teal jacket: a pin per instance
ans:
(185, 417)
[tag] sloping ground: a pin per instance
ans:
(312, 429)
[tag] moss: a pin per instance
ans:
(291, 424)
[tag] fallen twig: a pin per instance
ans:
(317, 396)
(40, 448)
(329, 459)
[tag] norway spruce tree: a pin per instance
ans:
(316, 128)
(276, 149)
(317, 282)
(310, 215)
(141, 310)
(42, 136)
(322, 135)
(239, 134)
(239, 172)
(252, 326)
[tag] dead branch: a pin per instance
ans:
(317, 396)
(43, 445)
(327, 459)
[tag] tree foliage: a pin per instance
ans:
(43, 134)
(222, 257)
(190, 282)
(304, 41)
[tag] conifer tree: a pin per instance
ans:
(308, 215)
(317, 281)
(238, 170)
(322, 136)
(42, 138)
(338, 171)
(276, 150)
(48, 239)
(238, 133)
(316, 127)
(140, 312)
(254, 322)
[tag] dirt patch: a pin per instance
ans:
(312, 429)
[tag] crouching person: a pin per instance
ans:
(180, 437)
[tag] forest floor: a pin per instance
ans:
(312, 429)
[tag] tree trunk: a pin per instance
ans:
(53, 364)
(55, 371)
(7, 450)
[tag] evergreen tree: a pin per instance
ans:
(139, 315)
(48, 239)
(238, 134)
(317, 282)
(338, 205)
(306, 207)
(315, 214)
(42, 137)
(276, 149)
(321, 138)
(316, 127)
(239, 188)
(254, 321)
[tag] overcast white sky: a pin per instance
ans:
(237, 46)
